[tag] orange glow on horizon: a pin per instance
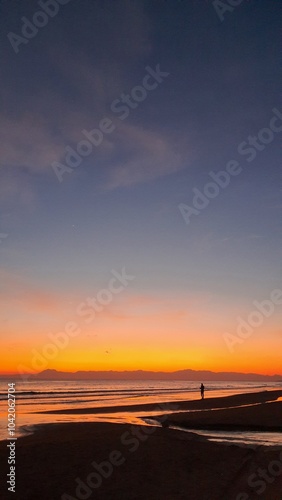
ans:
(131, 360)
(137, 332)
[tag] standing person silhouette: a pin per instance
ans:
(202, 388)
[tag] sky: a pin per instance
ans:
(119, 250)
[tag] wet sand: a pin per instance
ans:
(208, 403)
(149, 463)
(265, 417)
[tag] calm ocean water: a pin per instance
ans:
(33, 397)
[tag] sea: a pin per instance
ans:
(35, 397)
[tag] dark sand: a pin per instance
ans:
(266, 417)
(163, 465)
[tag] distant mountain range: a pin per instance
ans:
(189, 375)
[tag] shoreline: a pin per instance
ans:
(149, 461)
(235, 400)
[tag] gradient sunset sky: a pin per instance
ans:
(62, 242)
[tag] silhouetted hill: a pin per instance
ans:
(191, 375)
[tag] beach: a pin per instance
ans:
(125, 462)
(140, 242)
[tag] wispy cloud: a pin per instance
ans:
(37, 122)
(26, 142)
(147, 156)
